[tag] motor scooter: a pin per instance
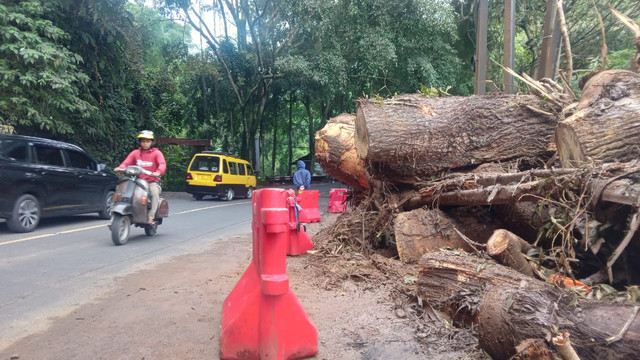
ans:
(131, 205)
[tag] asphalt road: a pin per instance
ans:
(69, 261)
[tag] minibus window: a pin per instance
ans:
(206, 163)
(241, 169)
(233, 167)
(225, 168)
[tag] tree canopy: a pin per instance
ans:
(269, 72)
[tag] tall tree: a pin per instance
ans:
(40, 78)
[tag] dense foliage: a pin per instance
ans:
(266, 72)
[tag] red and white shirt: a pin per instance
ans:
(151, 160)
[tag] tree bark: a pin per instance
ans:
(413, 136)
(491, 189)
(275, 137)
(606, 124)
(311, 134)
(509, 307)
(523, 218)
(336, 153)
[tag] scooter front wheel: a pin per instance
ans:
(120, 225)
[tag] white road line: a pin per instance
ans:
(97, 226)
(210, 207)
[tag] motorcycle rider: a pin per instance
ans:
(148, 158)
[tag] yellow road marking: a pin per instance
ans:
(80, 229)
(25, 239)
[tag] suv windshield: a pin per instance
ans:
(205, 163)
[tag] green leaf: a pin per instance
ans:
(608, 289)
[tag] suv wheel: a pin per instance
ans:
(107, 204)
(26, 214)
(228, 195)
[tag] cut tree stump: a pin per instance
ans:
(509, 307)
(606, 124)
(336, 153)
(412, 136)
(508, 249)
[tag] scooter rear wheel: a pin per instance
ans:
(151, 230)
(120, 229)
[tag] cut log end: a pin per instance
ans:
(569, 148)
(361, 140)
(334, 145)
(508, 248)
(498, 242)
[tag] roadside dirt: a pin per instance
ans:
(362, 308)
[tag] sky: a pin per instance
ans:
(215, 24)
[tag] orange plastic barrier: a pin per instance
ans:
(309, 201)
(262, 318)
(337, 200)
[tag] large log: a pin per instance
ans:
(420, 231)
(413, 136)
(492, 189)
(336, 153)
(509, 307)
(606, 124)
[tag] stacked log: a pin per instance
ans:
(412, 137)
(422, 230)
(423, 160)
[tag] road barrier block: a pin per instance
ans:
(309, 201)
(299, 240)
(337, 200)
(262, 318)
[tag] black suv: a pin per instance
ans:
(43, 178)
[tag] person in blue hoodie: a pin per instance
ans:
(302, 177)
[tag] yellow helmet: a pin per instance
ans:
(146, 134)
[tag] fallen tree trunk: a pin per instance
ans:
(509, 307)
(413, 136)
(490, 195)
(336, 153)
(491, 189)
(606, 124)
